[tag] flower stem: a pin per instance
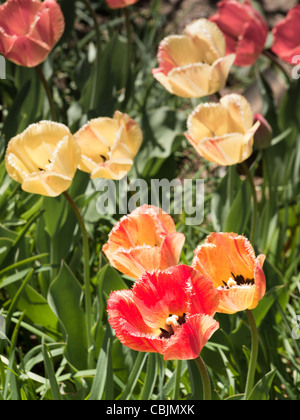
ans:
(255, 202)
(177, 380)
(48, 92)
(87, 288)
(205, 378)
(254, 355)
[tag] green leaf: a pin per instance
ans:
(240, 210)
(64, 298)
(101, 374)
(51, 373)
(261, 390)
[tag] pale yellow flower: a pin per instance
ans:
(223, 132)
(44, 158)
(109, 145)
(194, 65)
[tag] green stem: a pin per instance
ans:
(205, 379)
(254, 355)
(87, 285)
(48, 92)
(255, 202)
(177, 380)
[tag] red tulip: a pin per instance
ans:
(29, 29)
(287, 36)
(119, 4)
(244, 28)
(168, 312)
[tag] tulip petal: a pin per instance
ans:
(126, 319)
(135, 261)
(225, 254)
(161, 293)
(171, 250)
(178, 51)
(202, 121)
(203, 297)
(208, 37)
(220, 72)
(191, 81)
(49, 184)
(240, 112)
(236, 299)
(190, 338)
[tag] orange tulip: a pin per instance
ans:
(223, 132)
(120, 4)
(194, 65)
(143, 241)
(29, 29)
(109, 145)
(229, 261)
(44, 158)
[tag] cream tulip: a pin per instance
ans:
(194, 65)
(223, 132)
(44, 158)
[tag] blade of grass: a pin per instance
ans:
(51, 373)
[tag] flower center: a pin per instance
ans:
(173, 322)
(238, 280)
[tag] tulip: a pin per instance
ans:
(229, 261)
(29, 29)
(244, 28)
(287, 36)
(223, 132)
(168, 312)
(120, 4)
(194, 65)
(109, 145)
(143, 241)
(44, 158)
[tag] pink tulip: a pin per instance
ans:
(287, 36)
(244, 28)
(29, 29)
(119, 4)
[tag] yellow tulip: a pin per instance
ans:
(109, 145)
(44, 158)
(223, 132)
(194, 65)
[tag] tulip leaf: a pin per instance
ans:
(240, 210)
(261, 390)
(64, 298)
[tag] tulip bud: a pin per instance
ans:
(264, 134)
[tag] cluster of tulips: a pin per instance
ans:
(171, 307)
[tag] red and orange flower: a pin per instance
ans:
(168, 312)
(229, 261)
(144, 240)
